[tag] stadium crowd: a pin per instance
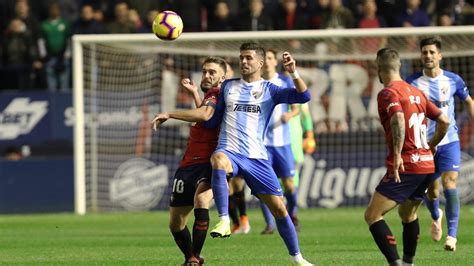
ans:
(35, 41)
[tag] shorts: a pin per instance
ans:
(282, 160)
(412, 186)
(447, 158)
(258, 173)
(185, 181)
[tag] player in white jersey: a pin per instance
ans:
(278, 142)
(243, 111)
(440, 86)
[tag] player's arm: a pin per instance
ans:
(201, 114)
(442, 124)
(192, 89)
(470, 107)
(463, 93)
(294, 111)
(290, 66)
(397, 126)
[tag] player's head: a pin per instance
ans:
(230, 71)
(271, 62)
(213, 73)
(430, 49)
(388, 62)
(252, 58)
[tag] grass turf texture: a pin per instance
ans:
(327, 237)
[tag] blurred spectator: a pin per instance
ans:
(86, 23)
(121, 24)
(99, 16)
(12, 153)
(337, 16)
(148, 24)
(291, 17)
(55, 36)
(69, 9)
(135, 19)
(317, 11)
(466, 11)
(222, 20)
(371, 20)
(22, 11)
(144, 6)
(254, 18)
(445, 20)
(413, 15)
(20, 56)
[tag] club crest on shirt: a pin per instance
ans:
(256, 93)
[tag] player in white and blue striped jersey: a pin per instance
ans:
(243, 112)
(441, 86)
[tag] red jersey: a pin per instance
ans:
(400, 96)
(202, 141)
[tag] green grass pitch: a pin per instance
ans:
(327, 237)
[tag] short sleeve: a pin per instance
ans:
(389, 102)
(461, 89)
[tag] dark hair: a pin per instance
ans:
(273, 51)
(253, 46)
(430, 41)
(216, 60)
(388, 59)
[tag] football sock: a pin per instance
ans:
(385, 240)
(291, 202)
(201, 224)
(411, 233)
(267, 214)
(233, 210)
(287, 231)
(452, 211)
(433, 207)
(220, 191)
(183, 240)
(240, 201)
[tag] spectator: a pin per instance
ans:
(86, 23)
(254, 18)
(444, 19)
(55, 36)
(371, 20)
(291, 16)
(317, 10)
(135, 19)
(413, 15)
(121, 24)
(337, 16)
(22, 11)
(222, 20)
(148, 24)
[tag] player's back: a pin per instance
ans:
(400, 96)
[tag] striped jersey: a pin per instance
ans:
(278, 133)
(441, 91)
(243, 111)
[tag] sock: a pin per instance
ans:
(233, 210)
(267, 214)
(240, 200)
(291, 202)
(411, 233)
(385, 240)
(433, 207)
(287, 231)
(201, 224)
(183, 240)
(220, 191)
(452, 211)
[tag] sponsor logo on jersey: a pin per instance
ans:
(392, 105)
(20, 117)
(248, 108)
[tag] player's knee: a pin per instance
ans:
(432, 194)
(449, 181)
(370, 216)
(218, 160)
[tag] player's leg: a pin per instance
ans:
(268, 217)
(452, 208)
(239, 192)
(432, 203)
(290, 195)
(202, 200)
(221, 165)
(233, 207)
(179, 230)
(411, 228)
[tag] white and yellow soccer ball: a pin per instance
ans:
(167, 25)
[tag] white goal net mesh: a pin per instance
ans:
(126, 79)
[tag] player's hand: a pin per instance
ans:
(289, 63)
(189, 85)
(285, 117)
(159, 119)
(309, 145)
(397, 166)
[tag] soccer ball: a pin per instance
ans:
(167, 25)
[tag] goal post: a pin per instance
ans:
(121, 80)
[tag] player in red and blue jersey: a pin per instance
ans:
(403, 111)
(192, 181)
(440, 86)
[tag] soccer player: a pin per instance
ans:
(440, 86)
(278, 142)
(403, 110)
(192, 180)
(243, 110)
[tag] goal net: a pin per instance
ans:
(121, 81)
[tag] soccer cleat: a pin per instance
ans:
(436, 228)
(222, 229)
(192, 261)
(303, 262)
(268, 230)
(244, 224)
(235, 229)
(407, 264)
(450, 243)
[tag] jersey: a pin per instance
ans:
(399, 96)
(243, 111)
(202, 141)
(278, 133)
(441, 91)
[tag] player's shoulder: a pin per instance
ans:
(410, 79)
(286, 79)
(451, 75)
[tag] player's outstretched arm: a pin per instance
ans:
(470, 107)
(201, 114)
(290, 66)
(397, 125)
(442, 125)
(190, 86)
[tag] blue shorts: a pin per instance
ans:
(258, 173)
(412, 186)
(447, 158)
(282, 161)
